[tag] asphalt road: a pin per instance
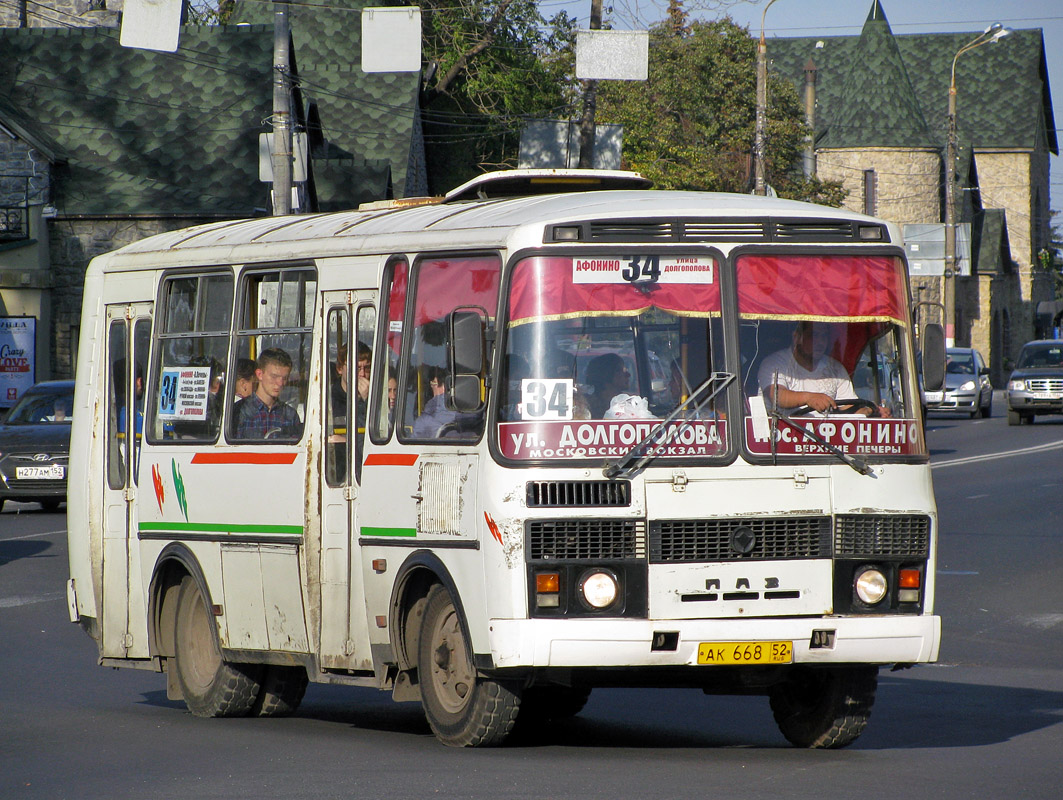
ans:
(986, 721)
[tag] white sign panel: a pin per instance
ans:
(17, 357)
(391, 39)
(184, 392)
(612, 55)
(151, 24)
(643, 269)
(543, 399)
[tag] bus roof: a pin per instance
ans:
(489, 223)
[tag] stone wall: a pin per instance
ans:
(73, 243)
(906, 181)
(59, 13)
(25, 175)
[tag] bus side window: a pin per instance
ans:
(443, 285)
(188, 382)
(274, 329)
(337, 403)
(389, 346)
(117, 404)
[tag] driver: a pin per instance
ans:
(804, 375)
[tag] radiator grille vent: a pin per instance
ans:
(578, 494)
(732, 539)
(873, 535)
(583, 539)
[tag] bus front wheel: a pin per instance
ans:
(825, 707)
(211, 686)
(462, 708)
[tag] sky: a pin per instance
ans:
(846, 18)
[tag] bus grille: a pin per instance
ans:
(734, 539)
(722, 229)
(583, 539)
(874, 535)
(578, 494)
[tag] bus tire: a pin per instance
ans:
(824, 707)
(211, 687)
(463, 709)
(282, 691)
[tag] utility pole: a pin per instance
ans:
(282, 113)
(994, 33)
(760, 134)
(590, 101)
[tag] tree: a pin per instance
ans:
(691, 125)
(489, 66)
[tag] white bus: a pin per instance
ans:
(494, 451)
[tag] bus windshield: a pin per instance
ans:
(822, 326)
(599, 349)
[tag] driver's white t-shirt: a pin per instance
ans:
(827, 376)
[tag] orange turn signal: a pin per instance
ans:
(547, 583)
(909, 578)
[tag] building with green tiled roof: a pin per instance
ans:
(108, 144)
(881, 113)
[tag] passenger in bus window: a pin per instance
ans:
(609, 376)
(361, 400)
(263, 415)
(435, 415)
(393, 394)
(244, 384)
(803, 375)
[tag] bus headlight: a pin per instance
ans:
(599, 589)
(871, 585)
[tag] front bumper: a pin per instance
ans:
(1035, 402)
(954, 401)
(573, 643)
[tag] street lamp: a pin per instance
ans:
(994, 33)
(762, 108)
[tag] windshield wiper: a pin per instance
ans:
(641, 452)
(856, 463)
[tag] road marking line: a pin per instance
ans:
(1041, 448)
(26, 600)
(32, 536)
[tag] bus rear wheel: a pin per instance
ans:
(824, 707)
(211, 686)
(462, 708)
(282, 691)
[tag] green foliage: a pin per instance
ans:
(494, 63)
(691, 125)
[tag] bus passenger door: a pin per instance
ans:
(350, 322)
(128, 338)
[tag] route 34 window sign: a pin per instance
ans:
(546, 399)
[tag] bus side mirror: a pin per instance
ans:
(468, 345)
(933, 342)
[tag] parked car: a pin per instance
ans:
(35, 443)
(967, 386)
(1036, 385)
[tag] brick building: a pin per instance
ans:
(881, 112)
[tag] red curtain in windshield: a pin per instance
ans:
(845, 288)
(543, 289)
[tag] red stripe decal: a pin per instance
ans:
(391, 460)
(244, 458)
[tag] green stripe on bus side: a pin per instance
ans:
(411, 532)
(219, 527)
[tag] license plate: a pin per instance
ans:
(730, 653)
(52, 473)
(935, 397)
(1043, 395)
